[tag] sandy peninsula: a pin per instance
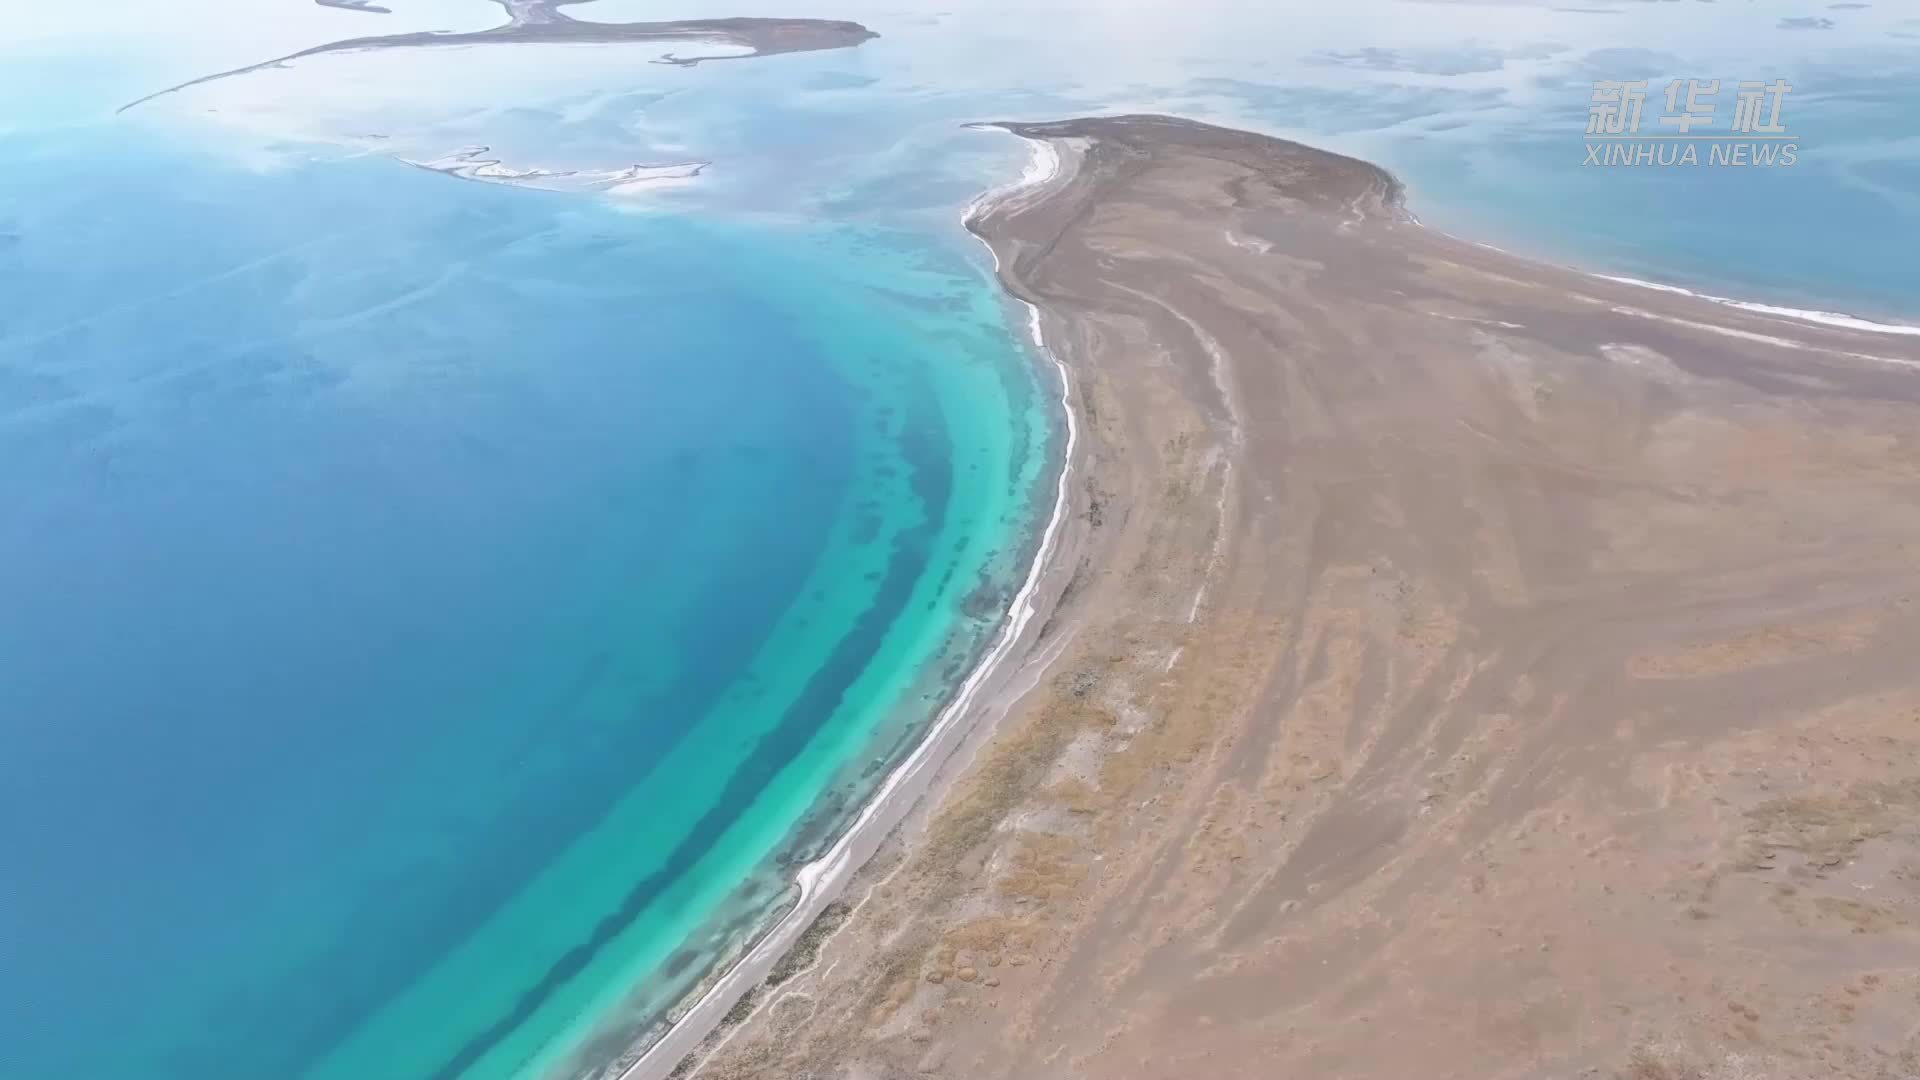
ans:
(1455, 666)
(541, 22)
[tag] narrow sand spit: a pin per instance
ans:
(1549, 709)
(541, 22)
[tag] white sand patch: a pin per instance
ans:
(1758, 338)
(1824, 318)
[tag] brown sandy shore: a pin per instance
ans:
(1462, 667)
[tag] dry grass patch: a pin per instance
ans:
(1008, 772)
(1075, 796)
(1045, 867)
(1757, 648)
(807, 949)
(1660, 1063)
(1863, 917)
(1013, 767)
(1222, 665)
(1826, 829)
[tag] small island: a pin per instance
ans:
(367, 6)
(541, 22)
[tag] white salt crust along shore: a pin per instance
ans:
(1799, 316)
(1824, 318)
(821, 881)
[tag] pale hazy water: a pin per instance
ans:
(428, 602)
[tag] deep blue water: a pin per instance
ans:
(372, 538)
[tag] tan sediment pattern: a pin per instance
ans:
(1470, 668)
(1757, 647)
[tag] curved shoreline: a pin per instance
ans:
(822, 880)
(1837, 319)
(1410, 565)
(1369, 195)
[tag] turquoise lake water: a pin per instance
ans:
(435, 614)
(424, 607)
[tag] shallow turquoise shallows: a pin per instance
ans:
(427, 602)
(436, 616)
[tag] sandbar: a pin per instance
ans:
(1450, 665)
